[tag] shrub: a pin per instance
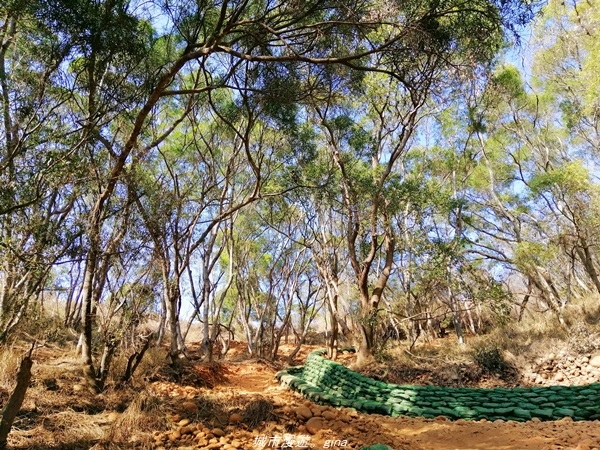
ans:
(490, 359)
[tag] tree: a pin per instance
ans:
(36, 169)
(123, 90)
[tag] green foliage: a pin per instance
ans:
(536, 253)
(508, 79)
(573, 177)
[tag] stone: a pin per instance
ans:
(314, 425)
(217, 432)
(329, 415)
(189, 407)
(214, 446)
(235, 418)
(316, 410)
(559, 376)
(303, 412)
(595, 360)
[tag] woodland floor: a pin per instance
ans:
(191, 409)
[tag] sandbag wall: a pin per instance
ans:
(328, 382)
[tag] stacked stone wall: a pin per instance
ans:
(328, 382)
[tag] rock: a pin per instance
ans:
(235, 418)
(189, 407)
(559, 376)
(188, 429)
(316, 410)
(314, 425)
(217, 432)
(214, 446)
(595, 361)
(303, 412)
(329, 415)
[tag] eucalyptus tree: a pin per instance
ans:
(321, 231)
(535, 146)
(565, 76)
(367, 137)
(269, 272)
(122, 77)
(37, 170)
(125, 75)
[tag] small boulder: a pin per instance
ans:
(329, 415)
(559, 376)
(303, 412)
(314, 425)
(189, 407)
(235, 418)
(217, 432)
(595, 361)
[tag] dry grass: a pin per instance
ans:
(257, 411)
(10, 359)
(66, 429)
(504, 348)
(154, 359)
(144, 415)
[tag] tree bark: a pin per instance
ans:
(16, 400)
(134, 360)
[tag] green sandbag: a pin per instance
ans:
(330, 382)
(544, 414)
(377, 447)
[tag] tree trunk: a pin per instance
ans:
(16, 399)
(456, 319)
(587, 258)
(88, 323)
(135, 359)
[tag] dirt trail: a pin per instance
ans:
(197, 411)
(348, 429)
